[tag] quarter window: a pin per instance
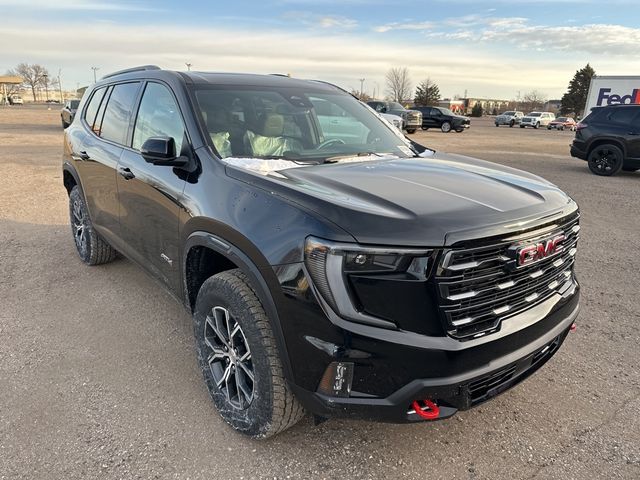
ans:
(623, 115)
(92, 107)
(158, 116)
(115, 123)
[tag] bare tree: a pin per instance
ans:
(398, 84)
(533, 100)
(34, 76)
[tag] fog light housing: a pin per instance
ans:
(337, 379)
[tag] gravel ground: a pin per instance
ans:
(99, 378)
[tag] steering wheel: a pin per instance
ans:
(330, 142)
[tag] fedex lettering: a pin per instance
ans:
(612, 99)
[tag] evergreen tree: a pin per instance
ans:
(427, 94)
(476, 111)
(576, 97)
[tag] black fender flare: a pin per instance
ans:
(69, 168)
(258, 282)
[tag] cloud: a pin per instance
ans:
(321, 21)
(404, 26)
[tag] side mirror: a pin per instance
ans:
(383, 109)
(162, 151)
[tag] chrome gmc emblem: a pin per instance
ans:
(533, 253)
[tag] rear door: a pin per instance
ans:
(150, 194)
(633, 136)
(96, 161)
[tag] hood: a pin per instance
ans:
(426, 202)
(461, 117)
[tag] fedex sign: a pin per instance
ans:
(605, 97)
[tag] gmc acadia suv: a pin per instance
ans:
(331, 265)
(609, 139)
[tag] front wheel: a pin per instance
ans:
(239, 359)
(511, 124)
(537, 125)
(605, 160)
(91, 247)
(445, 127)
(497, 125)
(521, 126)
(459, 130)
(425, 128)
(411, 130)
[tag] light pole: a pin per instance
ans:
(60, 86)
(188, 66)
(46, 87)
(361, 87)
(95, 69)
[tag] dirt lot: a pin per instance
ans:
(99, 380)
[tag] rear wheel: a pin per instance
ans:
(445, 127)
(411, 130)
(239, 359)
(91, 247)
(605, 160)
(425, 128)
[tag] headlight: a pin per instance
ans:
(329, 264)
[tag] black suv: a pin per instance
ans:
(609, 139)
(334, 268)
(443, 118)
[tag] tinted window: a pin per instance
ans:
(158, 116)
(94, 104)
(509, 113)
(117, 115)
(74, 103)
(623, 115)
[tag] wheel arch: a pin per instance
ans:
(607, 140)
(70, 178)
(213, 254)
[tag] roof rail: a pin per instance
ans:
(141, 68)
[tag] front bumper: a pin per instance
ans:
(392, 369)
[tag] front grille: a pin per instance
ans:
(478, 287)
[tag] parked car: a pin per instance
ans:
(15, 100)
(412, 118)
(395, 120)
(562, 123)
(443, 118)
(537, 119)
(609, 139)
(68, 112)
(53, 100)
(341, 274)
(511, 118)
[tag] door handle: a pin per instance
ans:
(84, 155)
(126, 173)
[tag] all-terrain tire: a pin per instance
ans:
(272, 407)
(92, 248)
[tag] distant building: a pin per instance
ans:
(465, 105)
(456, 106)
(552, 106)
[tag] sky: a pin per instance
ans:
(490, 49)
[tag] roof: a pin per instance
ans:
(223, 78)
(10, 79)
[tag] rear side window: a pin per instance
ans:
(117, 115)
(94, 104)
(623, 115)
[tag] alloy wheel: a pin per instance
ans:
(604, 160)
(79, 227)
(229, 357)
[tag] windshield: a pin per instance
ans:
(534, 114)
(509, 113)
(562, 119)
(298, 124)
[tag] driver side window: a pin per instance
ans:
(158, 116)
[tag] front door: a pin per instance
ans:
(150, 194)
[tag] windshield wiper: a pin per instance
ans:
(357, 154)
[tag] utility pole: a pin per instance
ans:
(361, 87)
(95, 69)
(46, 87)
(60, 86)
(188, 66)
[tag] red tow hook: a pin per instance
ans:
(431, 412)
(573, 327)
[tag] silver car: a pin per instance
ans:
(511, 118)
